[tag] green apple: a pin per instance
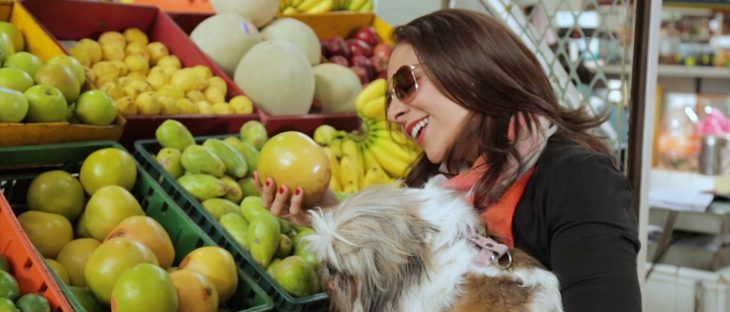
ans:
(25, 61)
(6, 46)
(96, 108)
(46, 104)
(15, 36)
(13, 105)
(16, 79)
(73, 64)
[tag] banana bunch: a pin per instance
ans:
(288, 7)
(378, 153)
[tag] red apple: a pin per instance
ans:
(335, 46)
(339, 59)
(368, 35)
(361, 73)
(359, 47)
(380, 63)
(383, 49)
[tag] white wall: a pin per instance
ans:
(399, 12)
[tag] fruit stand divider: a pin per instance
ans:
(145, 151)
(26, 265)
(38, 41)
(156, 203)
(75, 20)
(325, 25)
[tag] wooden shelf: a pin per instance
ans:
(679, 71)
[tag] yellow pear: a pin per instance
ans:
(204, 108)
(157, 79)
(157, 50)
(81, 56)
(112, 90)
(188, 80)
(203, 71)
(169, 60)
(218, 83)
(136, 48)
(126, 106)
(136, 87)
(113, 38)
(135, 35)
(137, 63)
(171, 91)
(168, 105)
(137, 76)
(91, 49)
(186, 107)
(112, 52)
(241, 104)
(123, 70)
(148, 103)
(222, 108)
(214, 95)
(195, 96)
(105, 72)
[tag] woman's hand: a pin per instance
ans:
(282, 202)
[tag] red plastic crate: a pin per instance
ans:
(75, 20)
(325, 25)
(26, 266)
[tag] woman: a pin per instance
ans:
(479, 104)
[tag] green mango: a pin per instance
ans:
(263, 238)
(86, 298)
(233, 190)
(285, 226)
(169, 159)
(254, 132)
(173, 134)
(248, 187)
(218, 207)
(33, 302)
(247, 150)
(202, 186)
(296, 276)
(7, 305)
(198, 159)
(285, 247)
(300, 247)
(4, 264)
(272, 266)
(237, 226)
(9, 286)
(252, 206)
(235, 164)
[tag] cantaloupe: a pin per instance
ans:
(225, 38)
(277, 76)
(295, 32)
(336, 87)
(259, 12)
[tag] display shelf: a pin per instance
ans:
(672, 71)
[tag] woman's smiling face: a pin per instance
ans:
(428, 117)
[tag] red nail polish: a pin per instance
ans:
(268, 183)
(281, 190)
(298, 191)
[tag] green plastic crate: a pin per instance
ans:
(145, 151)
(19, 165)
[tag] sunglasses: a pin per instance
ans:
(404, 83)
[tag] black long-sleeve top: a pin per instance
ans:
(575, 217)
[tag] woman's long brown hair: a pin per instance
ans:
(481, 65)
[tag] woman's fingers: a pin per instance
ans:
(268, 193)
(295, 208)
(257, 182)
(280, 201)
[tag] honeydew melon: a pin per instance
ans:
(225, 38)
(295, 32)
(259, 12)
(336, 87)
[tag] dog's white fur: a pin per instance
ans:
(371, 229)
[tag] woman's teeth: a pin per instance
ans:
(417, 128)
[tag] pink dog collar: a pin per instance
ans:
(490, 250)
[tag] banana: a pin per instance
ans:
(322, 7)
(394, 166)
(324, 134)
(352, 150)
(335, 167)
(375, 176)
(306, 5)
(289, 11)
(367, 7)
(336, 146)
(374, 109)
(368, 159)
(394, 149)
(375, 89)
(295, 3)
(350, 188)
(349, 174)
(356, 5)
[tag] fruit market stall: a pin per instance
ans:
(141, 59)
(46, 95)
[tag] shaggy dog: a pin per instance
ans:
(407, 249)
